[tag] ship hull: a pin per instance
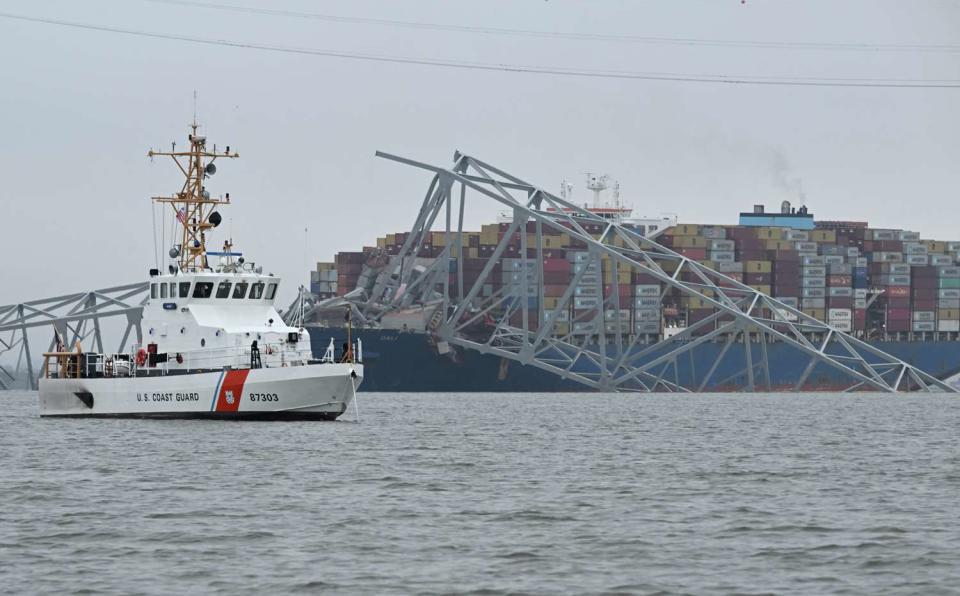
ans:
(315, 392)
(410, 362)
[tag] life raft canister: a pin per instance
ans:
(141, 357)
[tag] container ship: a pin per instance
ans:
(890, 287)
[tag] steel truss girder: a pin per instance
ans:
(76, 317)
(742, 316)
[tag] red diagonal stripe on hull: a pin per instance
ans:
(233, 383)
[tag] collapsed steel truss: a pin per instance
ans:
(76, 317)
(504, 323)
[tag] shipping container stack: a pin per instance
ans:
(832, 272)
(323, 280)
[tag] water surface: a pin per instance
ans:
(709, 494)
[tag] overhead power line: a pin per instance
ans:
(687, 41)
(513, 68)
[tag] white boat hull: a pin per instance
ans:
(319, 391)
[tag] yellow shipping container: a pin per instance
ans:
(689, 242)
(694, 302)
(683, 230)
(778, 245)
(935, 246)
(391, 239)
(757, 266)
(550, 302)
(489, 234)
(828, 236)
(769, 233)
(326, 266)
(473, 253)
(564, 240)
(381, 242)
(817, 313)
(948, 314)
(765, 289)
(561, 329)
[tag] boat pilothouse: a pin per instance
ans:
(213, 343)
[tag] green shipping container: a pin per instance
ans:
(949, 282)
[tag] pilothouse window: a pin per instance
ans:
(163, 290)
(271, 291)
(223, 290)
(240, 289)
(256, 291)
(153, 291)
(203, 289)
(184, 289)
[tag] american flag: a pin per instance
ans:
(181, 214)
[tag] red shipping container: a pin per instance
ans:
(924, 282)
(758, 278)
(839, 281)
(560, 265)
(698, 254)
(644, 278)
(555, 277)
(925, 271)
(840, 302)
(898, 291)
(895, 325)
(924, 304)
(925, 293)
(898, 314)
(785, 259)
(552, 290)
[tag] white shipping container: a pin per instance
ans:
(713, 233)
(724, 245)
(813, 282)
(833, 259)
(921, 326)
(917, 260)
(941, 260)
(806, 246)
(819, 271)
(813, 303)
(611, 314)
(840, 269)
(860, 303)
(908, 236)
(648, 328)
(585, 291)
(812, 260)
(813, 292)
(899, 269)
(721, 256)
(839, 314)
(914, 248)
(860, 293)
(948, 325)
(948, 293)
(789, 300)
(647, 315)
(796, 235)
(885, 234)
(787, 315)
(647, 290)
(888, 257)
(730, 267)
(582, 302)
(840, 292)
(648, 302)
(559, 315)
(924, 315)
(949, 271)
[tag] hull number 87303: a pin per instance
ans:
(264, 397)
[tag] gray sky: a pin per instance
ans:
(79, 109)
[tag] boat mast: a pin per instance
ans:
(193, 206)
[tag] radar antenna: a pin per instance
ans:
(193, 206)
